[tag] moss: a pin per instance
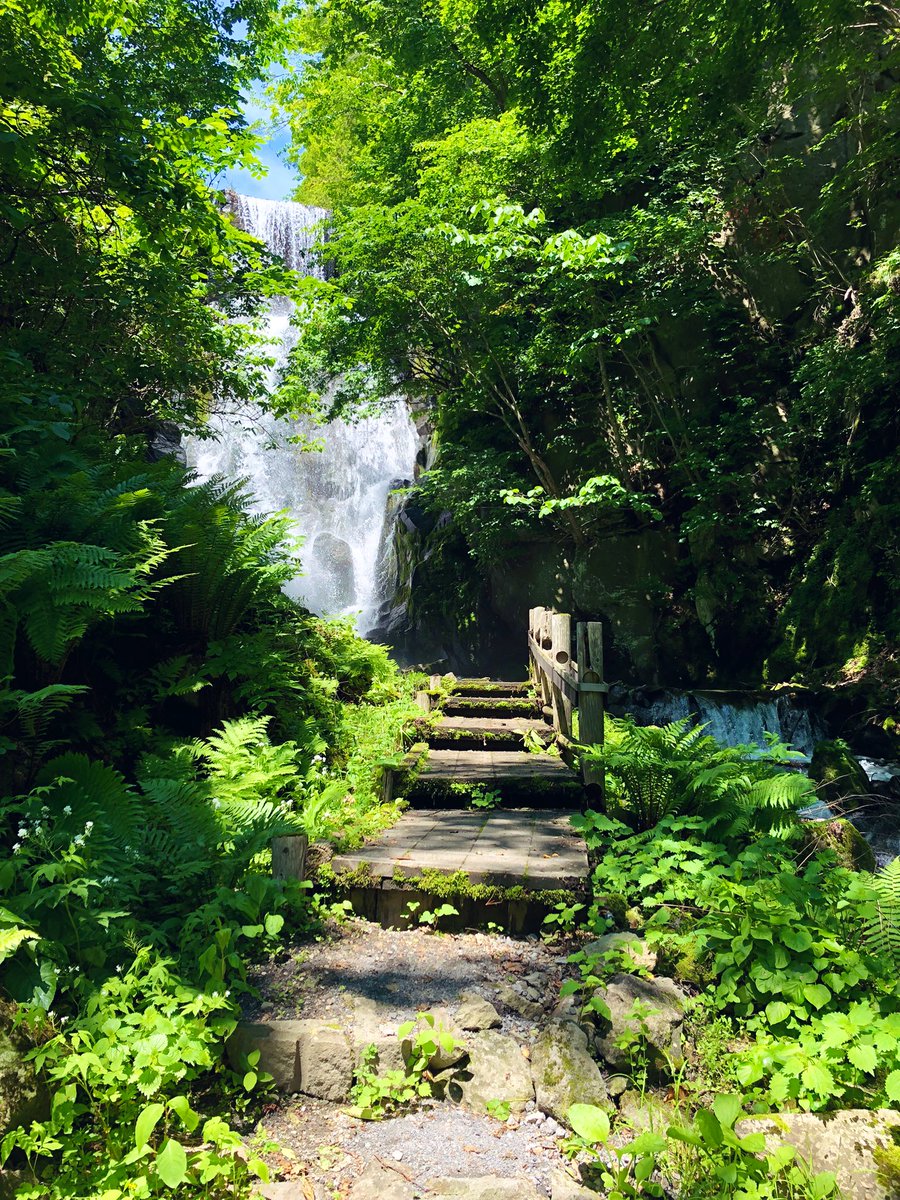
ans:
(887, 1164)
(359, 877)
(683, 962)
(837, 772)
(844, 840)
(615, 905)
(458, 885)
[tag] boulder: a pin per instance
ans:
(564, 1072)
(837, 773)
(497, 1070)
(486, 1187)
(380, 1183)
(564, 1187)
(860, 1146)
(636, 947)
(443, 1060)
(312, 1057)
(844, 839)
(23, 1095)
(476, 1013)
(664, 1003)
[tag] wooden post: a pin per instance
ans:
(289, 856)
(561, 641)
(591, 703)
(541, 636)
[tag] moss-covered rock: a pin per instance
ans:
(844, 839)
(23, 1095)
(564, 1072)
(836, 773)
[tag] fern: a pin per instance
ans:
(881, 930)
(658, 771)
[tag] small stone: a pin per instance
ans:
(617, 1084)
(476, 1013)
(380, 1183)
(519, 1004)
(286, 1190)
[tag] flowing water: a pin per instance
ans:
(338, 497)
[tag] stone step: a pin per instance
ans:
(535, 852)
(521, 779)
(491, 706)
(490, 687)
(483, 733)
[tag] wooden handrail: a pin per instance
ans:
(565, 683)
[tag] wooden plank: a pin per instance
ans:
(289, 856)
(564, 678)
(591, 703)
(561, 636)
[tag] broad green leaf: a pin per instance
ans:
(589, 1122)
(864, 1057)
(727, 1109)
(892, 1087)
(145, 1124)
(777, 1011)
(171, 1163)
(274, 924)
(817, 994)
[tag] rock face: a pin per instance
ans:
(663, 1002)
(497, 1070)
(311, 1057)
(564, 1072)
(487, 1187)
(857, 1145)
(23, 1096)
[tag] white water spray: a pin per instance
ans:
(337, 497)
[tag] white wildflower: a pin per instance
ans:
(67, 810)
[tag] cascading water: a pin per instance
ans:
(338, 496)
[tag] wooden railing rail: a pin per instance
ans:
(565, 684)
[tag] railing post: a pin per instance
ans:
(590, 703)
(289, 856)
(561, 642)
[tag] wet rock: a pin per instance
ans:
(664, 1004)
(564, 1072)
(636, 947)
(487, 1187)
(837, 774)
(496, 1070)
(476, 1013)
(858, 1145)
(381, 1183)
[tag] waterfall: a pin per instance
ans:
(337, 496)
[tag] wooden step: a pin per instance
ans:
(491, 706)
(533, 851)
(490, 687)
(484, 733)
(446, 777)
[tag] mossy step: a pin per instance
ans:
(448, 778)
(489, 687)
(491, 706)
(484, 733)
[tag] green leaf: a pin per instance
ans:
(864, 1057)
(145, 1124)
(818, 1078)
(180, 1105)
(250, 1081)
(727, 1109)
(171, 1163)
(817, 994)
(777, 1011)
(799, 939)
(709, 1128)
(589, 1122)
(892, 1087)
(274, 924)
